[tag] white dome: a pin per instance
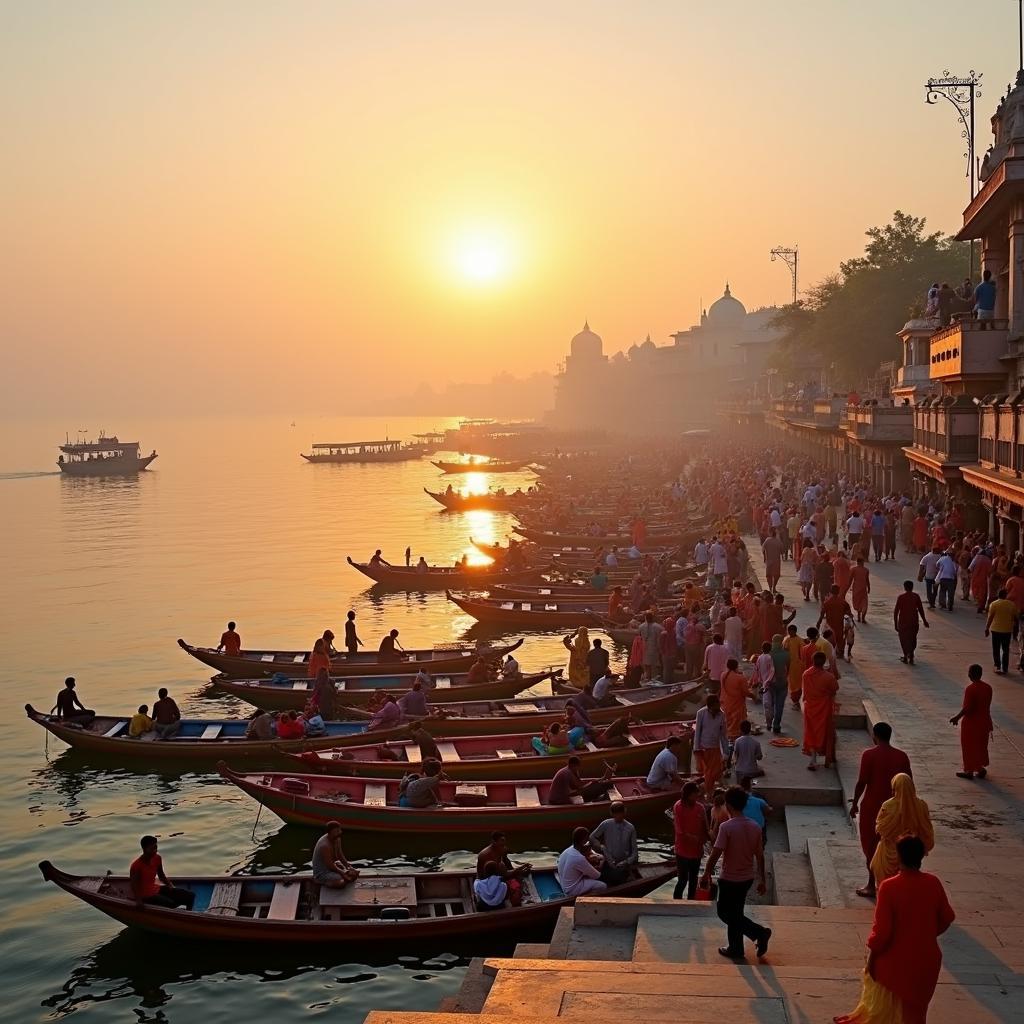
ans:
(586, 343)
(727, 311)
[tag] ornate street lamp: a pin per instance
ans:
(791, 258)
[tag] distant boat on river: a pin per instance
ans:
(106, 456)
(365, 451)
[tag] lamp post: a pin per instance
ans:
(960, 92)
(791, 258)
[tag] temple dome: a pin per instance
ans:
(587, 343)
(726, 311)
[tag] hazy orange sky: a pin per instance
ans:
(295, 204)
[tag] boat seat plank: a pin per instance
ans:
(211, 732)
(115, 730)
(577, 799)
(285, 901)
(625, 701)
(299, 684)
(91, 884)
(527, 607)
(527, 796)
(299, 659)
(593, 747)
(633, 741)
(507, 606)
(448, 752)
(614, 794)
(225, 898)
(266, 657)
(506, 755)
(519, 709)
(443, 683)
(375, 794)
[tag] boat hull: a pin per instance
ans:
(249, 664)
(441, 579)
(107, 467)
(263, 693)
(220, 927)
(493, 614)
(315, 811)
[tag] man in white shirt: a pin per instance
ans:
(710, 743)
(577, 873)
(716, 654)
(664, 773)
(603, 685)
(929, 572)
(700, 554)
(945, 576)
(719, 560)
(854, 529)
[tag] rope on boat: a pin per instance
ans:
(257, 821)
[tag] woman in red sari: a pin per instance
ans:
(920, 534)
(904, 958)
(975, 721)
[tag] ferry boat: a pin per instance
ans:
(364, 451)
(106, 456)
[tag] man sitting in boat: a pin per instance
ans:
(479, 671)
(421, 565)
(323, 700)
(426, 681)
(330, 866)
(664, 773)
(617, 610)
(615, 840)
(389, 647)
(497, 854)
(387, 716)
(617, 733)
(599, 579)
(490, 890)
(69, 708)
(603, 688)
(413, 703)
(140, 723)
(166, 716)
(261, 727)
(422, 790)
(377, 560)
(426, 743)
(290, 726)
(568, 783)
(579, 868)
(230, 641)
(511, 669)
(149, 883)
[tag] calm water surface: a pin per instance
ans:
(100, 578)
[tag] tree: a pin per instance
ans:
(850, 319)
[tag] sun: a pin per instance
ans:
(481, 257)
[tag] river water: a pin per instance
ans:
(100, 578)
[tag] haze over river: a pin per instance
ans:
(100, 578)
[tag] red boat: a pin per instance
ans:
(290, 909)
(371, 805)
(511, 756)
(543, 614)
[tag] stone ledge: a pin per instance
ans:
(827, 887)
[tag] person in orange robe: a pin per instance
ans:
(975, 721)
(841, 572)
(860, 580)
(639, 532)
(734, 698)
(794, 644)
(819, 688)
(834, 610)
(318, 660)
(920, 534)
(904, 958)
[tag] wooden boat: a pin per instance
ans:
(495, 466)
(199, 739)
(364, 451)
(377, 907)
(248, 664)
(284, 694)
(511, 756)
(440, 577)
(528, 614)
(371, 805)
(581, 591)
(106, 456)
(682, 536)
(456, 502)
(543, 614)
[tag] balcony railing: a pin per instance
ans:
(969, 348)
(893, 423)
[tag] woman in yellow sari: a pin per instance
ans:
(578, 647)
(904, 814)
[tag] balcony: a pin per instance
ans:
(945, 431)
(827, 412)
(913, 376)
(881, 424)
(969, 349)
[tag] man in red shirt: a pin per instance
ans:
(906, 613)
(878, 765)
(150, 884)
(230, 641)
(740, 846)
